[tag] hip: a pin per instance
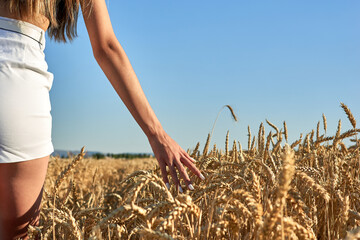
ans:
(25, 82)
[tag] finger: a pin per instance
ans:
(193, 168)
(175, 177)
(184, 174)
(164, 175)
(186, 155)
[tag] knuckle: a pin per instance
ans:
(181, 168)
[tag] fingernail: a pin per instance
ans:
(191, 187)
(180, 189)
(167, 185)
(202, 176)
(193, 159)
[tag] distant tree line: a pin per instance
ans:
(121, 155)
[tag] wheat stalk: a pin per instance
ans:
(349, 114)
(324, 122)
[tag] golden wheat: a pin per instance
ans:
(308, 190)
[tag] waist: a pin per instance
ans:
(22, 54)
(26, 29)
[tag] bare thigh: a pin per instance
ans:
(21, 186)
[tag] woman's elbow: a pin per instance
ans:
(106, 49)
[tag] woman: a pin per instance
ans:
(25, 120)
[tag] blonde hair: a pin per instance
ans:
(62, 14)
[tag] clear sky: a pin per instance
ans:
(275, 60)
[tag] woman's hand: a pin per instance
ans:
(169, 153)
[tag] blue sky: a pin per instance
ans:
(275, 60)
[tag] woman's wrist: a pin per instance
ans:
(155, 132)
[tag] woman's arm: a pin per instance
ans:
(115, 64)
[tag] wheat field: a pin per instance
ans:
(269, 189)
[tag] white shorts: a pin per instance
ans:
(25, 119)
